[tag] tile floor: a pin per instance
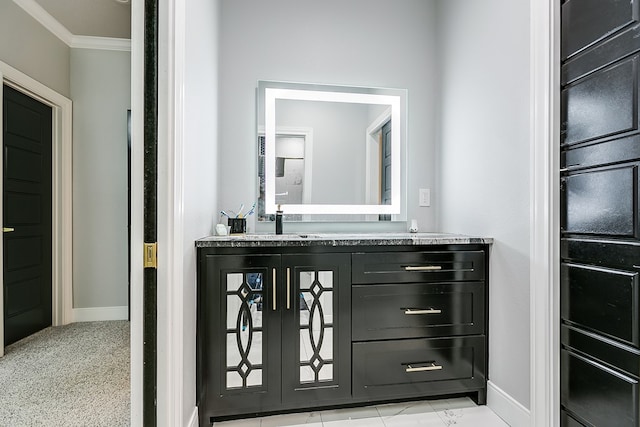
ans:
(459, 412)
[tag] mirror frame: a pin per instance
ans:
(270, 92)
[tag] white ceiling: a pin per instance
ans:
(96, 18)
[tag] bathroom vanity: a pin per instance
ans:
(301, 321)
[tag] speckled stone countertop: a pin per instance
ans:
(337, 239)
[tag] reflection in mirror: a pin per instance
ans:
(330, 152)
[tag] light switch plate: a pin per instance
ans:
(424, 197)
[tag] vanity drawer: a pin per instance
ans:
(426, 266)
(418, 366)
(416, 310)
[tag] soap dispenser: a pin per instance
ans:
(279, 221)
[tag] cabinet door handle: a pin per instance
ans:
(423, 267)
(431, 367)
(274, 289)
(288, 288)
(425, 311)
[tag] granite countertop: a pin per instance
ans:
(337, 239)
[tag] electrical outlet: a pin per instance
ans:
(424, 197)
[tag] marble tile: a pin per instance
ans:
(455, 403)
(479, 416)
(407, 408)
(351, 416)
(460, 413)
(360, 422)
(248, 422)
(307, 419)
(426, 419)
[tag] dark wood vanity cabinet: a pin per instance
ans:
(273, 332)
(419, 323)
(240, 362)
(291, 328)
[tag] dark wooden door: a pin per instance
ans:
(385, 169)
(600, 219)
(27, 138)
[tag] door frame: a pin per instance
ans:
(170, 393)
(544, 261)
(371, 142)
(544, 217)
(305, 133)
(62, 194)
(136, 298)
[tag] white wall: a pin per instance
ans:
(380, 43)
(29, 47)
(101, 94)
(201, 185)
(484, 163)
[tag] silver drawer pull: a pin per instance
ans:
(274, 289)
(427, 311)
(423, 268)
(432, 367)
(288, 288)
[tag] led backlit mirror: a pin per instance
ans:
(331, 152)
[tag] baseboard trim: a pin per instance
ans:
(506, 407)
(193, 421)
(98, 314)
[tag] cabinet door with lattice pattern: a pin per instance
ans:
(316, 328)
(244, 350)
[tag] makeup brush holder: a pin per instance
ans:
(237, 225)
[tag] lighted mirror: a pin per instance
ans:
(331, 152)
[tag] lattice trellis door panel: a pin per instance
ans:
(316, 326)
(244, 346)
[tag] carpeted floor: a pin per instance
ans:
(74, 375)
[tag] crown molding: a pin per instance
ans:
(38, 13)
(103, 43)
